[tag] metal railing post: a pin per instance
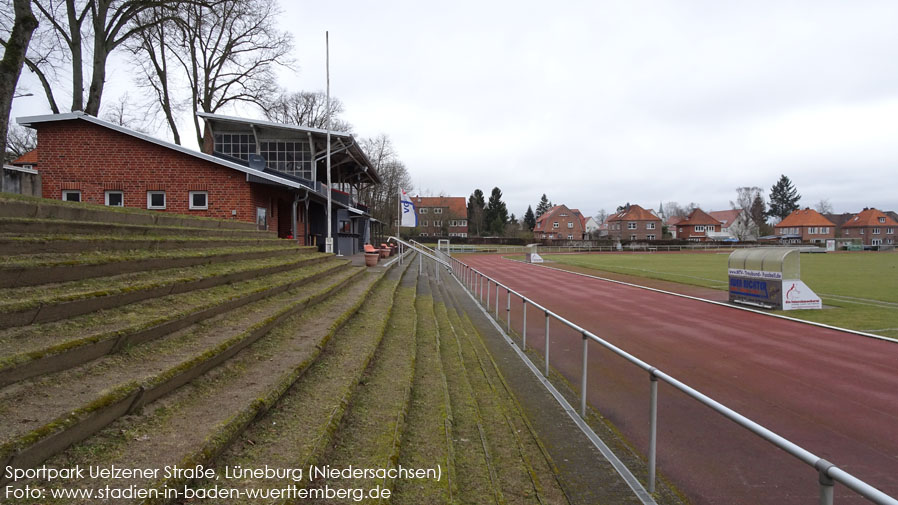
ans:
(508, 310)
(489, 289)
(826, 482)
(583, 378)
(481, 289)
(653, 428)
(524, 332)
(497, 302)
(420, 264)
(547, 343)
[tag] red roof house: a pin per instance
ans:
(805, 225)
(872, 226)
(634, 223)
(442, 216)
(697, 226)
(559, 222)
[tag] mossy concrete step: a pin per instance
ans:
(195, 423)
(370, 434)
(34, 270)
(43, 208)
(524, 470)
(45, 303)
(299, 428)
(12, 244)
(26, 225)
(48, 414)
(30, 351)
(427, 438)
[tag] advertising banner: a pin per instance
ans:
(756, 291)
(797, 295)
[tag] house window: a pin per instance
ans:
(423, 223)
(438, 223)
(155, 199)
(563, 214)
(570, 225)
(422, 234)
(71, 195)
(699, 228)
(650, 226)
(882, 220)
(570, 237)
(290, 157)
(876, 231)
(423, 210)
(633, 237)
(262, 218)
(115, 199)
(650, 237)
(631, 226)
(199, 200)
(890, 231)
(876, 241)
(463, 222)
(555, 224)
(235, 145)
(862, 231)
(438, 210)
(824, 230)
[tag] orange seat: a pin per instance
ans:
(370, 248)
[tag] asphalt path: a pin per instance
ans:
(832, 392)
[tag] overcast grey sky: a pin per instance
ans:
(601, 103)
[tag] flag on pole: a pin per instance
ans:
(408, 216)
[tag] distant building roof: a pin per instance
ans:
(633, 213)
(29, 158)
(457, 204)
(804, 217)
(698, 217)
(870, 217)
(727, 217)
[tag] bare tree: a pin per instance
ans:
(19, 141)
(228, 53)
(306, 108)
(383, 198)
(824, 206)
(675, 209)
(15, 47)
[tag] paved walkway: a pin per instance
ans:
(834, 393)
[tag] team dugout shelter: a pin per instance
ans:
(272, 174)
(769, 277)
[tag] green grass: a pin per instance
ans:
(859, 287)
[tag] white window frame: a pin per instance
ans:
(631, 225)
(650, 226)
(882, 220)
(650, 237)
(67, 192)
(150, 200)
(423, 223)
(633, 237)
(113, 191)
(570, 237)
(422, 210)
(555, 224)
(190, 204)
(699, 227)
(438, 224)
(570, 224)
(876, 231)
(890, 231)
(438, 210)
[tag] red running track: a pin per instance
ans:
(834, 393)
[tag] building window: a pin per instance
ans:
(423, 223)
(882, 220)
(862, 231)
(699, 228)
(463, 222)
(824, 230)
(199, 200)
(422, 210)
(876, 231)
(650, 237)
(632, 237)
(438, 210)
(555, 224)
(890, 231)
(876, 241)
(262, 218)
(289, 157)
(570, 237)
(115, 199)
(570, 225)
(650, 226)
(71, 195)
(235, 145)
(631, 226)
(812, 230)
(438, 223)
(155, 199)
(422, 234)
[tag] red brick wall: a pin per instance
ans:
(80, 155)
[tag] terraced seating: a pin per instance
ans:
(297, 363)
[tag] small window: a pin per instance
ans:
(155, 199)
(422, 210)
(115, 199)
(650, 226)
(570, 237)
(876, 231)
(438, 210)
(199, 200)
(650, 237)
(631, 226)
(423, 223)
(71, 195)
(438, 223)
(570, 225)
(632, 237)
(890, 231)
(555, 224)
(262, 218)
(882, 220)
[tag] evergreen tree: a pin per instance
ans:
(543, 207)
(476, 205)
(783, 198)
(496, 214)
(529, 218)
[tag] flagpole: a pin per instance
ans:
(399, 215)
(329, 242)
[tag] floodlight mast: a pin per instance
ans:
(329, 242)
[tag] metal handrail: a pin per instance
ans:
(472, 279)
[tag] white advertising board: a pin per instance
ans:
(797, 295)
(534, 258)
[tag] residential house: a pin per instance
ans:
(559, 222)
(253, 171)
(805, 225)
(873, 226)
(634, 223)
(21, 175)
(441, 216)
(699, 226)
(736, 224)
(592, 227)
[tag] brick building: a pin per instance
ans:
(873, 226)
(805, 225)
(441, 216)
(83, 158)
(560, 222)
(634, 223)
(698, 226)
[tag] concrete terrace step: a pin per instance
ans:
(49, 347)
(14, 244)
(195, 423)
(299, 429)
(36, 269)
(427, 438)
(31, 305)
(47, 414)
(24, 226)
(44, 208)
